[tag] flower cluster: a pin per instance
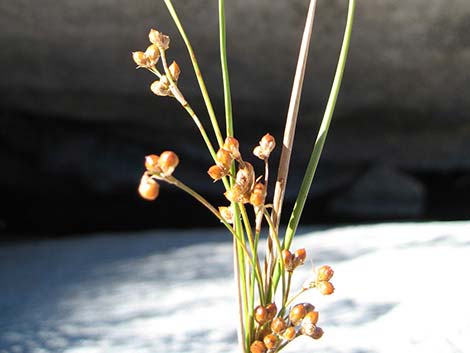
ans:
(158, 167)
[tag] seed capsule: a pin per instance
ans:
(258, 195)
(167, 162)
(159, 39)
(270, 341)
(224, 159)
(152, 54)
(139, 58)
(311, 318)
(317, 333)
(151, 163)
(148, 188)
(232, 145)
(324, 273)
(265, 147)
(278, 325)
(174, 71)
(288, 260)
(290, 333)
(216, 172)
(308, 307)
(261, 314)
(226, 213)
(299, 257)
(161, 87)
(257, 347)
(272, 311)
(297, 313)
(245, 178)
(325, 287)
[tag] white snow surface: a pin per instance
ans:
(400, 287)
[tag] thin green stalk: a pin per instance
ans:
(224, 66)
(197, 71)
(321, 137)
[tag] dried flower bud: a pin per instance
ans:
(265, 147)
(324, 273)
(296, 314)
(151, 163)
(152, 54)
(174, 71)
(159, 39)
(325, 287)
(167, 162)
(226, 213)
(140, 58)
(232, 145)
(216, 172)
(148, 188)
(278, 325)
(261, 314)
(257, 347)
(288, 260)
(270, 341)
(235, 194)
(258, 195)
(245, 178)
(272, 311)
(290, 333)
(299, 257)
(223, 158)
(317, 333)
(161, 87)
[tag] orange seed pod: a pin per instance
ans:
(299, 257)
(152, 54)
(324, 273)
(224, 159)
(261, 314)
(258, 195)
(325, 287)
(148, 188)
(151, 163)
(167, 162)
(216, 172)
(278, 325)
(257, 347)
(174, 71)
(139, 58)
(272, 311)
(297, 313)
(288, 260)
(290, 333)
(232, 145)
(270, 341)
(308, 307)
(226, 213)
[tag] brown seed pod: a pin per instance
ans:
(167, 162)
(278, 325)
(296, 314)
(245, 178)
(311, 317)
(174, 71)
(324, 273)
(272, 311)
(288, 260)
(152, 54)
(257, 347)
(148, 188)
(232, 145)
(325, 287)
(265, 147)
(139, 58)
(261, 314)
(216, 172)
(299, 257)
(151, 163)
(308, 307)
(223, 158)
(317, 333)
(235, 194)
(290, 333)
(258, 195)
(270, 341)
(159, 39)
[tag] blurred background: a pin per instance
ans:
(77, 119)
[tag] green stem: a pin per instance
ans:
(321, 137)
(197, 71)
(224, 66)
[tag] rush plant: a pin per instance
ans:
(269, 316)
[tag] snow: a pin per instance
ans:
(400, 287)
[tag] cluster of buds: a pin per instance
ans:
(278, 331)
(149, 58)
(292, 261)
(323, 275)
(157, 167)
(224, 158)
